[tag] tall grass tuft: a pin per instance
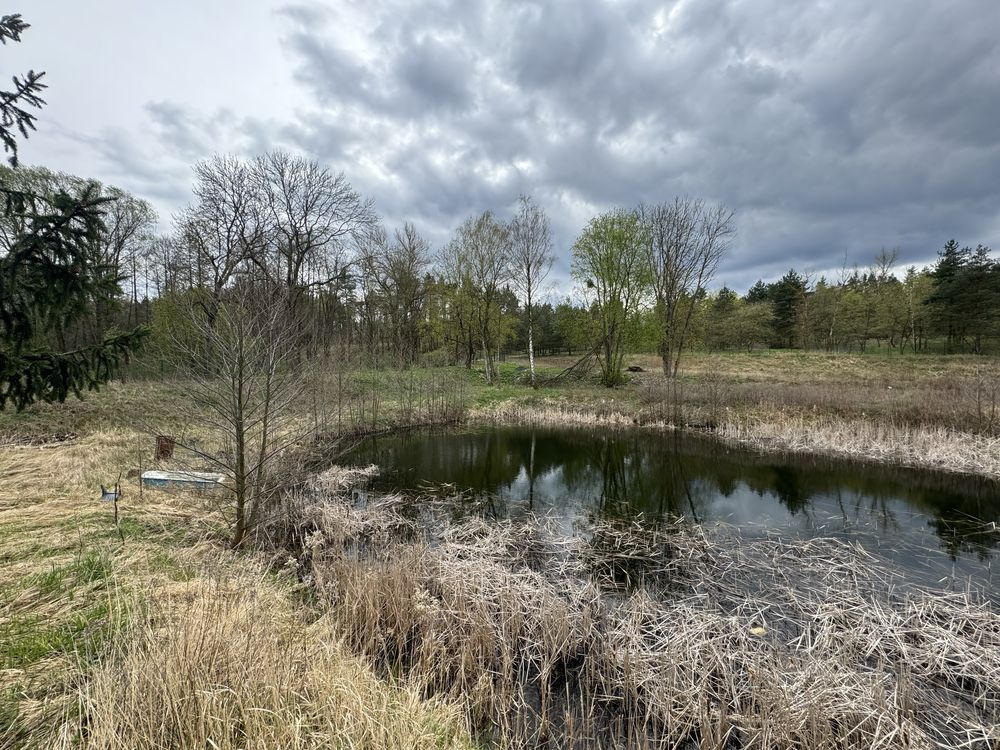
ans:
(230, 664)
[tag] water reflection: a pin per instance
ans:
(932, 524)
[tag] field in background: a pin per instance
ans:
(926, 411)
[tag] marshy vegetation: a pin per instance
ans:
(648, 634)
(402, 620)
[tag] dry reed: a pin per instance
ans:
(922, 447)
(230, 663)
(652, 637)
(925, 447)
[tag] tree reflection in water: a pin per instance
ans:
(926, 521)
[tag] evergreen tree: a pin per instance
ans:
(759, 292)
(725, 301)
(983, 296)
(50, 274)
(14, 117)
(966, 296)
(946, 298)
(788, 296)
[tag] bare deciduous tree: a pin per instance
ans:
(478, 260)
(224, 227)
(686, 241)
(456, 303)
(129, 224)
(531, 246)
(245, 381)
(394, 271)
(313, 215)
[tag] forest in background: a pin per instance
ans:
(384, 297)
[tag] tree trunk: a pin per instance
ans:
(531, 354)
(240, 481)
(487, 356)
(666, 360)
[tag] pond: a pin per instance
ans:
(938, 529)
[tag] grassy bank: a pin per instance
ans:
(939, 413)
(152, 634)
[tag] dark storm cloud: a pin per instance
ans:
(430, 71)
(833, 128)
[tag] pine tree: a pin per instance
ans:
(50, 273)
(759, 292)
(788, 295)
(725, 301)
(948, 297)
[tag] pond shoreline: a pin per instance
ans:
(929, 448)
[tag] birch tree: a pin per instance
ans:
(531, 260)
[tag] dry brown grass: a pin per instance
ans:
(717, 643)
(66, 568)
(922, 447)
(932, 412)
(134, 643)
(231, 663)
(531, 635)
(558, 411)
(926, 447)
(791, 366)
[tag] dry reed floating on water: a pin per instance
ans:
(653, 636)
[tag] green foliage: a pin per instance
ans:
(172, 330)
(50, 274)
(14, 118)
(788, 297)
(966, 296)
(48, 279)
(728, 322)
(572, 324)
(611, 264)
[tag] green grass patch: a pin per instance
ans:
(27, 639)
(164, 563)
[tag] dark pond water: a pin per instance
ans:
(940, 529)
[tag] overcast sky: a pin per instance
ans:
(833, 127)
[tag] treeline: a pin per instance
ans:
(952, 306)
(364, 293)
(292, 230)
(117, 253)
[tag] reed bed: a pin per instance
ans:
(925, 447)
(650, 635)
(555, 411)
